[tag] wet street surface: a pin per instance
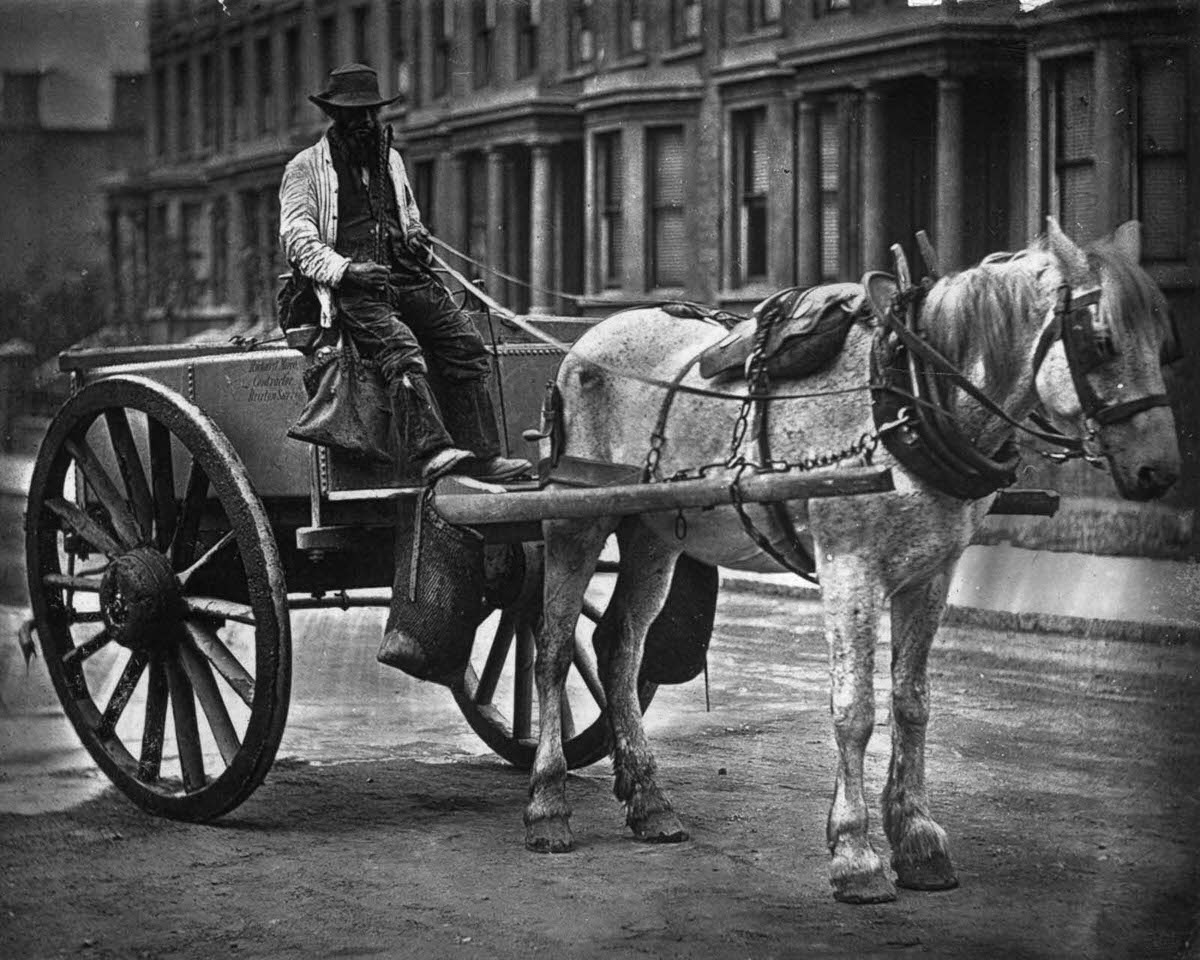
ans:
(1065, 770)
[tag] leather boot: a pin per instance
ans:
(418, 419)
(471, 419)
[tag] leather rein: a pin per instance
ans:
(931, 444)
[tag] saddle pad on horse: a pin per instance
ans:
(801, 342)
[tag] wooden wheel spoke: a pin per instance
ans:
(84, 526)
(87, 648)
(129, 462)
(119, 700)
(585, 663)
(187, 733)
(218, 608)
(105, 489)
(162, 474)
(591, 611)
(66, 582)
(497, 655)
(205, 686)
(568, 719)
(153, 730)
(183, 544)
(207, 557)
(523, 684)
(223, 661)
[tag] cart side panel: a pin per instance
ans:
(253, 396)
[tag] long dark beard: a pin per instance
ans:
(362, 144)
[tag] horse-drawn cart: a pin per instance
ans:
(172, 526)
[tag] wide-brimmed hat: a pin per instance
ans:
(352, 85)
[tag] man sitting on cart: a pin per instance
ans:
(348, 221)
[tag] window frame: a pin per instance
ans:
(656, 208)
(744, 202)
(607, 147)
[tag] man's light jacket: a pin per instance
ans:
(308, 203)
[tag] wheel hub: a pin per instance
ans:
(139, 595)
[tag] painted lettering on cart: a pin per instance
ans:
(271, 381)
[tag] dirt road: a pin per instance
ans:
(1066, 771)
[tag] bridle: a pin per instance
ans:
(1087, 345)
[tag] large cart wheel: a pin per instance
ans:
(501, 672)
(157, 588)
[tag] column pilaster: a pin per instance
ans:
(808, 194)
(873, 242)
(948, 236)
(541, 228)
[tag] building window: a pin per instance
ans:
(441, 15)
(326, 44)
(397, 27)
(361, 21)
(423, 190)
(250, 256)
(1071, 191)
(219, 234)
(237, 81)
(476, 207)
(209, 103)
(830, 179)
(610, 223)
(761, 14)
(632, 27)
(582, 39)
(1162, 161)
(293, 68)
(183, 92)
(265, 84)
(749, 213)
(158, 131)
(529, 14)
(21, 98)
(483, 14)
(685, 22)
(668, 239)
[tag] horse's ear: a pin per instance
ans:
(1071, 259)
(1128, 239)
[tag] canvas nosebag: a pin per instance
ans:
(348, 407)
(437, 598)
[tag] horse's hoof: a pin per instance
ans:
(934, 873)
(872, 888)
(552, 835)
(660, 827)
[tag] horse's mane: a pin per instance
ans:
(977, 315)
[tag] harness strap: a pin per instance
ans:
(923, 350)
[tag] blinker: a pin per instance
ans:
(1088, 344)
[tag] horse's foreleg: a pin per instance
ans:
(572, 548)
(852, 614)
(642, 586)
(920, 851)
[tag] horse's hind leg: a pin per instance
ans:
(852, 613)
(572, 548)
(920, 852)
(642, 586)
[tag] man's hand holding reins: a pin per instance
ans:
(369, 275)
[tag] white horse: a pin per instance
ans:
(898, 547)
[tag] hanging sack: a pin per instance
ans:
(297, 304)
(348, 407)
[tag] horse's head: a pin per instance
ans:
(1099, 370)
